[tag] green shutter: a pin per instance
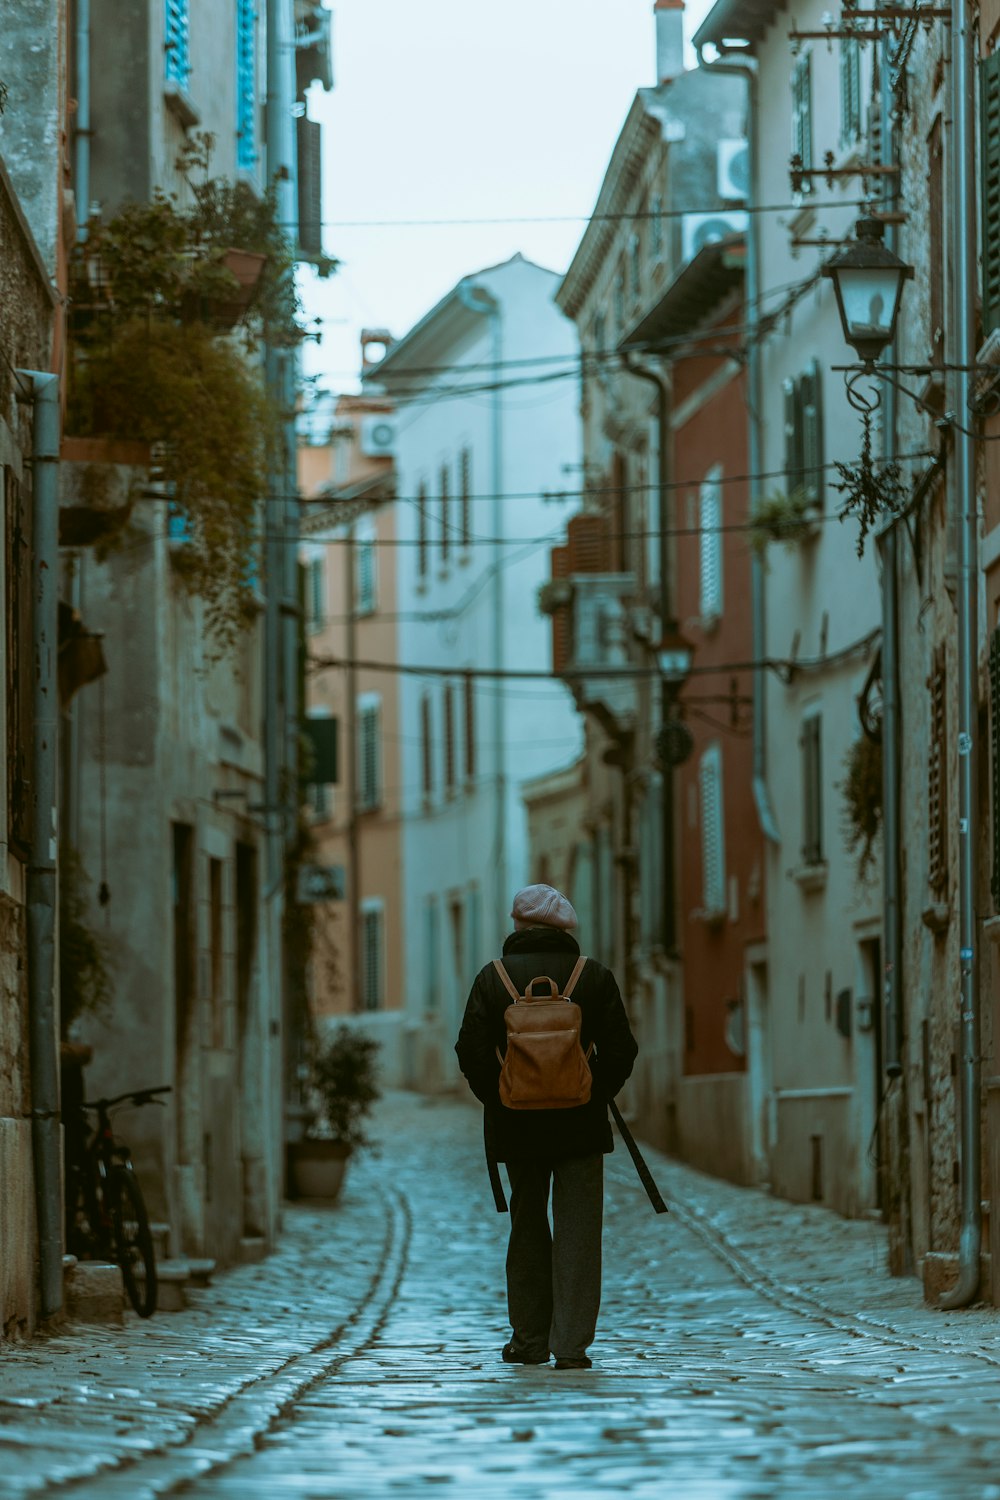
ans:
(989, 99)
(811, 428)
(793, 437)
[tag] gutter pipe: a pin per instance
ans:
(962, 231)
(746, 67)
(42, 867)
(668, 624)
(480, 299)
(82, 131)
(891, 710)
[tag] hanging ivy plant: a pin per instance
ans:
(870, 494)
(85, 956)
(181, 388)
(862, 794)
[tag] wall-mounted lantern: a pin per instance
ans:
(868, 280)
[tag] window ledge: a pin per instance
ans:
(180, 104)
(812, 877)
(713, 918)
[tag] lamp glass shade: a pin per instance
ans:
(674, 661)
(869, 303)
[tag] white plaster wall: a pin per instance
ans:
(451, 846)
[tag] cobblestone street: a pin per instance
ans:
(746, 1348)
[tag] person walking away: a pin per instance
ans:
(553, 1277)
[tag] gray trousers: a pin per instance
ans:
(554, 1276)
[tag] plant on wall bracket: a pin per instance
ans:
(786, 518)
(862, 801)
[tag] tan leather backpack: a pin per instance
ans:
(545, 1066)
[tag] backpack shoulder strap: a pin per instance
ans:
(578, 969)
(508, 983)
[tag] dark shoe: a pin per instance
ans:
(516, 1354)
(583, 1363)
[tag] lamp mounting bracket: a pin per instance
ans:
(800, 174)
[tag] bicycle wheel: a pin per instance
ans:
(133, 1247)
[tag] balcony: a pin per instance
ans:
(589, 606)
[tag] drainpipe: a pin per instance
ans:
(479, 299)
(668, 625)
(42, 883)
(891, 711)
(351, 732)
(746, 68)
(962, 232)
(81, 133)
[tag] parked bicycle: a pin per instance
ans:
(110, 1218)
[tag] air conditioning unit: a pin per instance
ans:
(699, 230)
(734, 170)
(378, 436)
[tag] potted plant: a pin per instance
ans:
(341, 1092)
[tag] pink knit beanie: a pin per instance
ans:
(542, 906)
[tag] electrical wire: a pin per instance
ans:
(584, 218)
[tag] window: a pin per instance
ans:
(177, 42)
(989, 129)
(599, 332)
(620, 297)
(431, 954)
(465, 487)
(319, 801)
(372, 961)
(369, 790)
(449, 739)
(315, 593)
(472, 912)
(456, 920)
(426, 747)
(445, 513)
(651, 864)
(215, 952)
(246, 84)
(804, 445)
(20, 666)
(935, 241)
(810, 743)
(470, 727)
(422, 533)
(937, 777)
(710, 541)
(850, 91)
(802, 142)
(365, 575)
(713, 845)
(635, 264)
(656, 226)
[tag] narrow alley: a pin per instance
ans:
(747, 1347)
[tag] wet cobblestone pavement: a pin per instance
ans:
(747, 1348)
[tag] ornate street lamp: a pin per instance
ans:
(868, 280)
(674, 656)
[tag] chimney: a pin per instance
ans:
(669, 39)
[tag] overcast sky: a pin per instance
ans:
(449, 109)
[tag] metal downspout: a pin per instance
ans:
(668, 624)
(42, 868)
(747, 69)
(891, 711)
(351, 734)
(962, 229)
(81, 129)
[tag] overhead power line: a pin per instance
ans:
(593, 218)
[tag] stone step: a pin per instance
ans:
(94, 1293)
(172, 1277)
(252, 1250)
(201, 1270)
(161, 1241)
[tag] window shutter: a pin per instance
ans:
(449, 737)
(588, 544)
(470, 727)
(989, 96)
(371, 959)
(713, 847)
(710, 540)
(369, 758)
(793, 438)
(20, 664)
(466, 483)
(431, 958)
(426, 746)
(309, 179)
(365, 554)
(177, 42)
(812, 790)
(802, 116)
(937, 778)
(850, 91)
(422, 531)
(445, 514)
(317, 603)
(246, 85)
(810, 403)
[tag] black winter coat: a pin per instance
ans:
(546, 1135)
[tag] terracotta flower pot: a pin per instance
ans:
(316, 1169)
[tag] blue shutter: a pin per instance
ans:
(246, 84)
(177, 42)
